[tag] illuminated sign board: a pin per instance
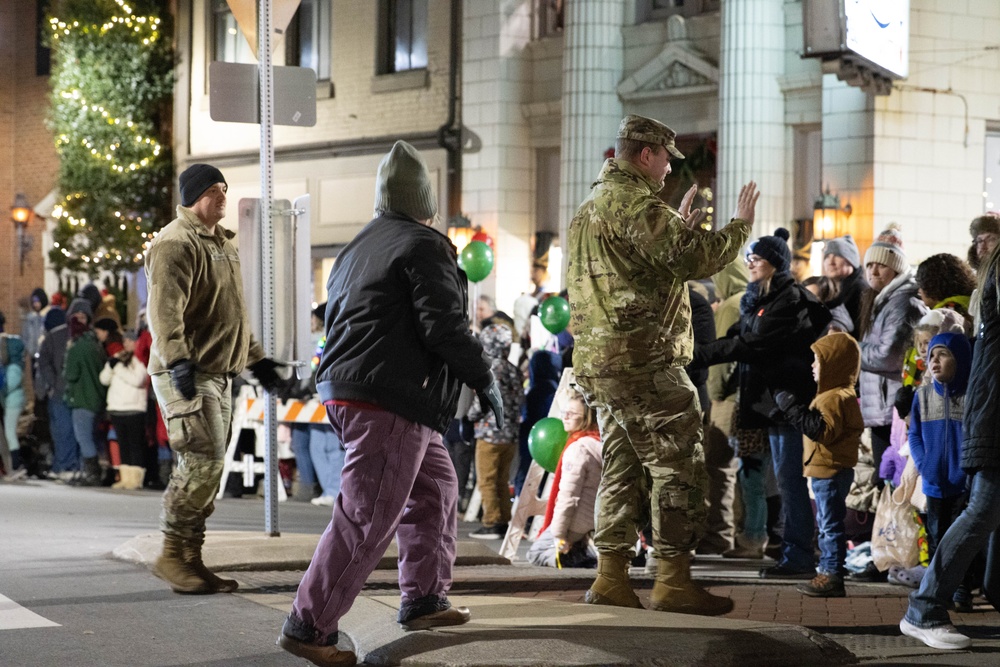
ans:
(879, 32)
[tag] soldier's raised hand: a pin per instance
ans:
(746, 205)
(691, 218)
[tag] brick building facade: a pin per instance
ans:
(28, 160)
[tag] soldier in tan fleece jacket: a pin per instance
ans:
(201, 340)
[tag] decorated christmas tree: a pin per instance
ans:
(112, 84)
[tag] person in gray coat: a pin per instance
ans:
(51, 384)
(889, 312)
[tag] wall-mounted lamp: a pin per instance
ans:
(22, 215)
(829, 217)
(460, 231)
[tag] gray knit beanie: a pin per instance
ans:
(402, 184)
(844, 246)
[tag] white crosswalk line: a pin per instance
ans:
(14, 616)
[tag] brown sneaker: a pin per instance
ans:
(323, 656)
(431, 611)
(824, 585)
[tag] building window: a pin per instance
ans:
(43, 56)
(308, 38)
(229, 44)
(664, 8)
(991, 177)
(548, 18)
(403, 36)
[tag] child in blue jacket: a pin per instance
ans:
(936, 441)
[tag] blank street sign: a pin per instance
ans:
(234, 94)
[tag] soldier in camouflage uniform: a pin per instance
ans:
(630, 256)
(201, 340)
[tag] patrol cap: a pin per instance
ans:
(640, 128)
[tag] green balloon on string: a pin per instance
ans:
(476, 259)
(554, 314)
(546, 442)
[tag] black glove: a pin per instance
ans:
(764, 405)
(182, 375)
(491, 396)
(904, 400)
(266, 372)
(785, 400)
(699, 358)
(113, 361)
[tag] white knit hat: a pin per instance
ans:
(887, 249)
(403, 185)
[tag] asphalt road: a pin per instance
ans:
(54, 562)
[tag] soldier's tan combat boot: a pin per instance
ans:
(192, 554)
(612, 585)
(174, 568)
(674, 591)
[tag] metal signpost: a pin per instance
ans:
(267, 258)
(231, 83)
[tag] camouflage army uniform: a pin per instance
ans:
(629, 258)
(196, 311)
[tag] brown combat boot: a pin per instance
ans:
(175, 569)
(674, 591)
(612, 585)
(192, 554)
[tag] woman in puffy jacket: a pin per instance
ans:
(889, 311)
(126, 379)
(779, 321)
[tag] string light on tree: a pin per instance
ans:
(111, 84)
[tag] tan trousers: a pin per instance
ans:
(493, 477)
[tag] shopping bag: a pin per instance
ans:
(895, 535)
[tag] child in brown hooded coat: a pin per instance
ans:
(832, 426)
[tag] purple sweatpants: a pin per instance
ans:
(398, 480)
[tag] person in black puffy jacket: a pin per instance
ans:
(779, 321)
(398, 347)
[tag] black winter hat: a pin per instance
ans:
(196, 179)
(774, 249)
(107, 324)
(38, 294)
(92, 294)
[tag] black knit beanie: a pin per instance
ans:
(774, 249)
(196, 179)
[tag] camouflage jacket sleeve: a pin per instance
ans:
(661, 236)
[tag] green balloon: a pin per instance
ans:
(554, 313)
(476, 259)
(546, 442)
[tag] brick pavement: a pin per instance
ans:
(866, 605)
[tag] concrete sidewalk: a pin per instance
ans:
(505, 629)
(519, 631)
(243, 551)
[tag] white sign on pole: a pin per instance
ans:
(234, 94)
